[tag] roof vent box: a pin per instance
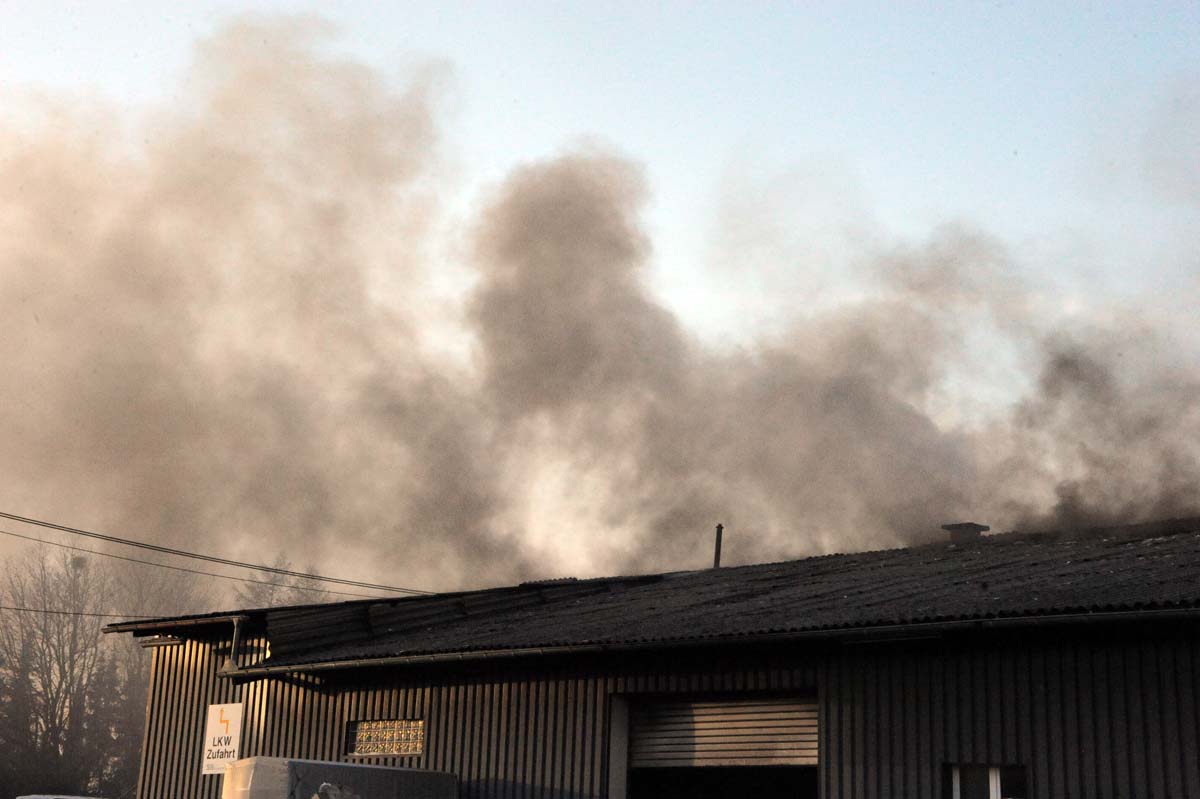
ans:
(965, 532)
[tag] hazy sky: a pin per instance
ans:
(1033, 121)
(478, 292)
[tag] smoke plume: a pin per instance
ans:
(220, 332)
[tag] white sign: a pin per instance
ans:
(222, 735)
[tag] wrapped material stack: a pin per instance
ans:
(284, 778)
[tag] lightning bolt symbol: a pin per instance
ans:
(221, 719)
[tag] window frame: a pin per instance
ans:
(994, 781)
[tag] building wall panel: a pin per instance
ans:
(1102, 718)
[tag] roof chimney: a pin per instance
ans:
(965, 532)
(717, 551)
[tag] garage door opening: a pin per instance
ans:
(762, 748)
(722, 782)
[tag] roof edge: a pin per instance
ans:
(155, 625)
(1154, 529)
(877, 633)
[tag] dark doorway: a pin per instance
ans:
(723, 782)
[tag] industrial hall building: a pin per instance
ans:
(1055, 666)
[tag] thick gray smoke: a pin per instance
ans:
(191, 349)
(219, 332)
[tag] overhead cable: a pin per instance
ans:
(78, 613)
(210, 558)
(183, 568)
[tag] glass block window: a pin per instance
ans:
(385, 737)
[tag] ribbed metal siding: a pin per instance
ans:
(522, 735)
(183, 682)
(1090, 719)
(738, 732)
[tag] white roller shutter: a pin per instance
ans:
(741, 732)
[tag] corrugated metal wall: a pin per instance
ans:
(1089, 719)
(686, 733)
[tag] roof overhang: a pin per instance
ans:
(158, 626)
(882, 634)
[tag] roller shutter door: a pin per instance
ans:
(742, 732)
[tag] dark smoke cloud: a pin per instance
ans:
(1113, 428)
(816, 442)
(562, 317)
(826, 438)
(193, 350)
(222, 337)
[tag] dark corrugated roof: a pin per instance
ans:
(1004, 576)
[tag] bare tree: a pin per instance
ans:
(72, 701)
(277, 589)
(58, 660)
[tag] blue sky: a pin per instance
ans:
(1028, 120)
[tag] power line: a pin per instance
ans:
(183, 568)
(79, 613)
(210, 558)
